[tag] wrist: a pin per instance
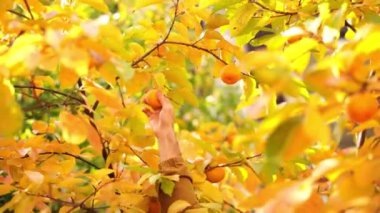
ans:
(165, 134)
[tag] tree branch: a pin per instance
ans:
(29, 10)
(19, 14)
(90, 114)
(349, 26)
(66, 203)
(136, 62)
(235, 163)
(198, 48)
(81, 204)
(71, 155)
(48, 90)
(137, 155)
(120, 92)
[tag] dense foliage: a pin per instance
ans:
(279, 97)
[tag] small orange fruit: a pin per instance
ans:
(361, 107)
(152, 100)
(215, 175)
(230, 74)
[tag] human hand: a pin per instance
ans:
(161, 120)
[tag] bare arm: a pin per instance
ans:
(162, 122)
(171, 161)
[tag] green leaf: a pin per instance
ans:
(167, 186)
(278, 139)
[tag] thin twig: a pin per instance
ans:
(137, 155)
(272, 10)
(48, 90)
(66, 203)
(46, 105)
(361, 138)
(28, 8)
(72, 155)
(19, 14)
(235, 163)
(142, 58)
(232, 206)
(120, 92)
(349, 26)
(81, 204)
(198, 48)
(90, 114)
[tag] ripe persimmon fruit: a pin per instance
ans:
(215, 175)
(230, 74)
(152, 100)
(361, 107)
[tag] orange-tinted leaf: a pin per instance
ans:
(74, 128)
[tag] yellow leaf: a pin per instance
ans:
(216, 21)
(151, 157)
(67, 165)
(5, 189)
(108, 72)
(35, 177)
(211, 34)
(106, 97)
(12, 114)
(97, 4)
(74, 130)
(66, 209)
(94, 138)
(42, 127)
(369, 43)
(139, 81)
(160, 80)
(241, 18)
(111, 37)
(313, 205)
(141, 4)
(299, 48)
(316, 128)
(5, 5)
(75, 58)
(189, 96)
(210, 192)
(68, 78)
(177, 75)
(197, 210)
(178, 206)
(101, 173)
(26, 202)
(24, 54)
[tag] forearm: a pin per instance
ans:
(168, 145)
